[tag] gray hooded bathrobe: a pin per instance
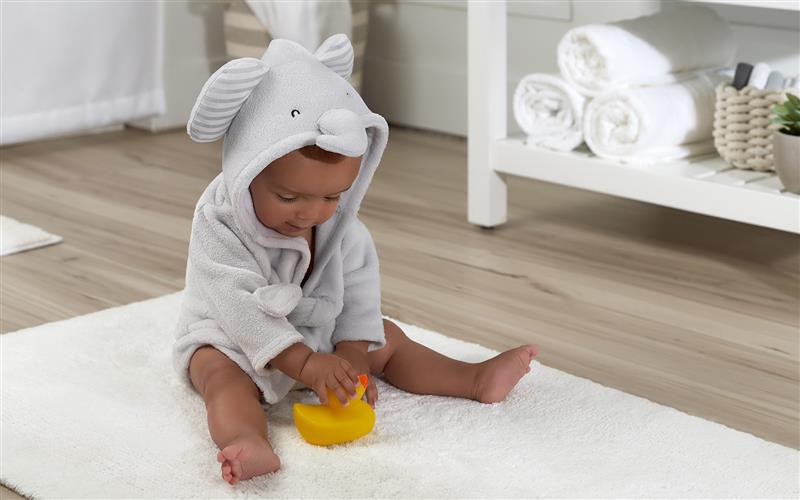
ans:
(243, 280)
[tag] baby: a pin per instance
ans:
(282, 281)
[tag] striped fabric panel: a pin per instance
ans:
(245, 36)
(337, 53)
(222, 97)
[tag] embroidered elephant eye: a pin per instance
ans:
(295, 112)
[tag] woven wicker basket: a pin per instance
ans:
(245, 36)
(743, 126)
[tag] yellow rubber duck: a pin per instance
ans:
(334, 423)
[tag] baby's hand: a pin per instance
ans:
(325, 371)
(358, 359)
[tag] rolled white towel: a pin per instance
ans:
(759, 75)
(662, 48)
(549, 111)
(646, 125)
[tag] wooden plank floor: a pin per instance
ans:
(690, 311)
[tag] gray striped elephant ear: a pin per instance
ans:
(222, 97)
(337, 53)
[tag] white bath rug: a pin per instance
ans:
(17, 236)
(91, 408)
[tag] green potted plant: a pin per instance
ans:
(786, 142)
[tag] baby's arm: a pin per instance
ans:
(319, 371)
(235, 290)
(292, 359)
(360, 319)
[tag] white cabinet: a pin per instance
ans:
(764, 4)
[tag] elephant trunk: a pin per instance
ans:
(342, 132)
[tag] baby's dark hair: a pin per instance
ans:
(317, 153)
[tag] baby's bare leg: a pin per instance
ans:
(415, 368)
(418, 369)
(236, 421)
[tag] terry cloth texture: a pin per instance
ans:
(662, 48)
(550, 112)
(17, 236)
(659, 123)
(97, 393)
(243, 280)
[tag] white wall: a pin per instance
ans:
(416, 53)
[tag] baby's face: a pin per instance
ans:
(301, 189)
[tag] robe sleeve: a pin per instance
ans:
(250, 311)
(361, 318)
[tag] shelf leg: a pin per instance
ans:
(486, 50)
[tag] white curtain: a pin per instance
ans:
(73, 65)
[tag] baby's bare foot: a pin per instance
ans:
(497, 376)
(246, 457)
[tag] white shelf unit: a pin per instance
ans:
(704, 185)
(763, 4)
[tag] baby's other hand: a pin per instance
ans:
(358, 359)
(324, 371)
(372, 392)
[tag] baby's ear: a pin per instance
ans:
(222, 97)
(337, 53)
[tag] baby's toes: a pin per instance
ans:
(232, 471)
(236, 470)
(235, 474)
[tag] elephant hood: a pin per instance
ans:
(290, 98)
